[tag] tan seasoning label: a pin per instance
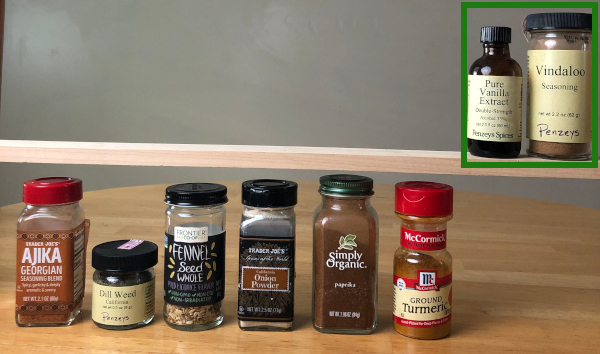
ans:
(265, 279)
(122, 305)
(423, 302)
(494, 108)
(50, 270)
(559, 96)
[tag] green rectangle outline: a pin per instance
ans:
(464, 77)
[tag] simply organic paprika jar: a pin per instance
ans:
(422, 266)
(52, 234)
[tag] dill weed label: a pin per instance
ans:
(266, 289)
(194, 267)
(495, 104)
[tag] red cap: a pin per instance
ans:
(52, 190)
(423, 198)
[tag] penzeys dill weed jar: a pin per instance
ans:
(123, 291)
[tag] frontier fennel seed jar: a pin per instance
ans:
(559, 98)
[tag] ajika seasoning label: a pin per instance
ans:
(266, 289)
(194, 267)
(50, 271)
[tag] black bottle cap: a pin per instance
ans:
(495, 34)
(125, 255)
(196, 194)
(559, 20)
(269, 193)
(346, 185)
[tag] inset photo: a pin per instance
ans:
(529, 84)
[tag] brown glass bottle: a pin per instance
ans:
(506, 78)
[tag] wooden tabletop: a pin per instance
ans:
(526, 279)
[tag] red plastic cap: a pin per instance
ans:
(52, 190)
(424, 198)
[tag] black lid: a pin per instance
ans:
(196, 194)
(125, 255)
(346, 185)
(558, 20)
(269, 193)
(495, 34)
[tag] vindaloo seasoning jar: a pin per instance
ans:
(345, 253)
(123, 292)
(422, 266)
(52, 235)
(559, 82)
(194, 280)
(267, 255)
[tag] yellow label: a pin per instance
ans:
(421, 306)
(559, 96)
(495, 108)
(122, 305)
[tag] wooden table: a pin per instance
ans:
(526, 279)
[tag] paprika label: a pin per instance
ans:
(50, 270)
(423, 240)
(423, 302)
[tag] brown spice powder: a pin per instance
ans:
(344, 299)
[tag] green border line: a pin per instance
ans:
(464, 80)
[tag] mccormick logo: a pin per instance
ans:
(427, 281)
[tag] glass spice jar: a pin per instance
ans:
(345, 253)
(559, 97)
(267, 255)
(52, 235)
(194, 276)
(123, 292)
(422, 265)
(495, 98)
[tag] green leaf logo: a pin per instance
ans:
(347, 243)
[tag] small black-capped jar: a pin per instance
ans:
(123, 291)
(267, 255)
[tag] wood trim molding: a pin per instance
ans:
(275, 157)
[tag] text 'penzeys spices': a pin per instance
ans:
(345, 250)
(194, 279)
(52, 235)
(422, 266)
(267, 255)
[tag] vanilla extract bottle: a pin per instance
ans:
(495, 98)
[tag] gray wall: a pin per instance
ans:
(351, 73)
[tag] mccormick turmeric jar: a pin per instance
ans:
(422, 266)
(559, 96)
(52, 234)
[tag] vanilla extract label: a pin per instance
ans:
(494, 108)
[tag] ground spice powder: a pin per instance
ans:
(345, 257)
(422, 266)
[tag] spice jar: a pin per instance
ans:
(52, 235)
(345, 241)
(495, 98)
(194, 283)
(123, 292)
(267, 255)
(559, 97)
(422, 266)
